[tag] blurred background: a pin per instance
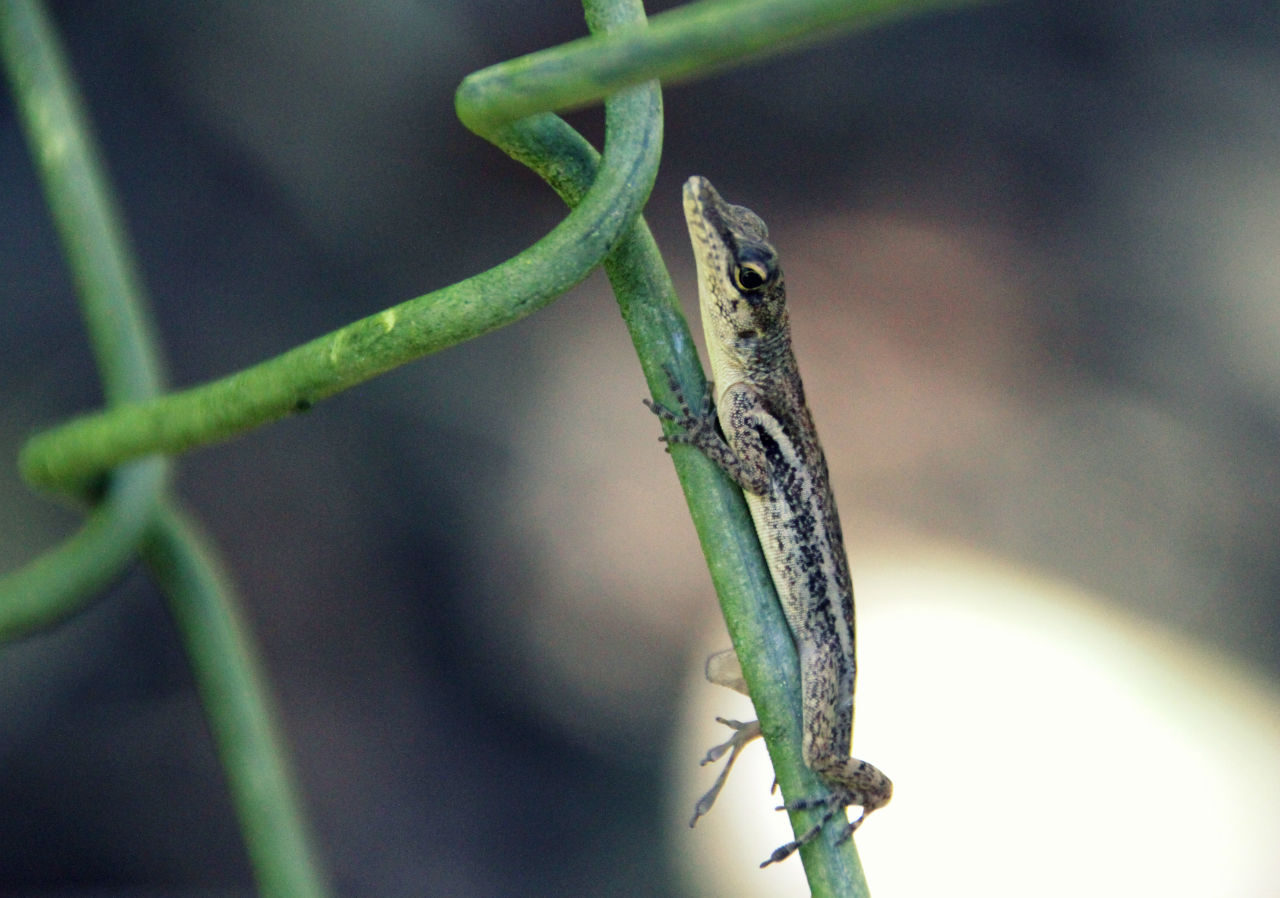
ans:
(1033, 252)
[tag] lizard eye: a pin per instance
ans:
(750, 276)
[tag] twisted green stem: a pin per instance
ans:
(71, 456)
(690, 41)
(693, 40)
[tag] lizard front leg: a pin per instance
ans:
(742, 458)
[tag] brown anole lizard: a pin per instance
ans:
(766, 441)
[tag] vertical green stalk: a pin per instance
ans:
(129, 512)
(112, 302)
(663, 343)
(237, 705)
(84, 211)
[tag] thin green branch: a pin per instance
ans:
(690, 41)
(660, 333)
(238, 707)
(83, 209)
(58, 583)
(75, 453)
(129, 513)
(693, 40)
(71, 456)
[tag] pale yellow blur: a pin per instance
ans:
(1041, 744)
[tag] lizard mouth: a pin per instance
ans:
(701, 212)
(703, 207)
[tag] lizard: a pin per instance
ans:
(755, 425)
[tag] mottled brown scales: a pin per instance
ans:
(770, 448)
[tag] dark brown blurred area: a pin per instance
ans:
(1032, 250)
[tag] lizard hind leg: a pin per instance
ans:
(782, 852)
(862, 784)
(834, 805)
(723, 669)
(743, 734)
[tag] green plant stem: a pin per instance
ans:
(663, 343)
(130, 512)
(660, 333)
(113, 305)
(83, 209)
(694, 40)
(661, 336)
(58, 583)
(72, 455)
(237, 706)
(689, 41)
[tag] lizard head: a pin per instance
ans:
(740, 286)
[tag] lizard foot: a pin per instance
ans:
(877, 793)
(833, 804)
(694, 428)
(743, 733)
